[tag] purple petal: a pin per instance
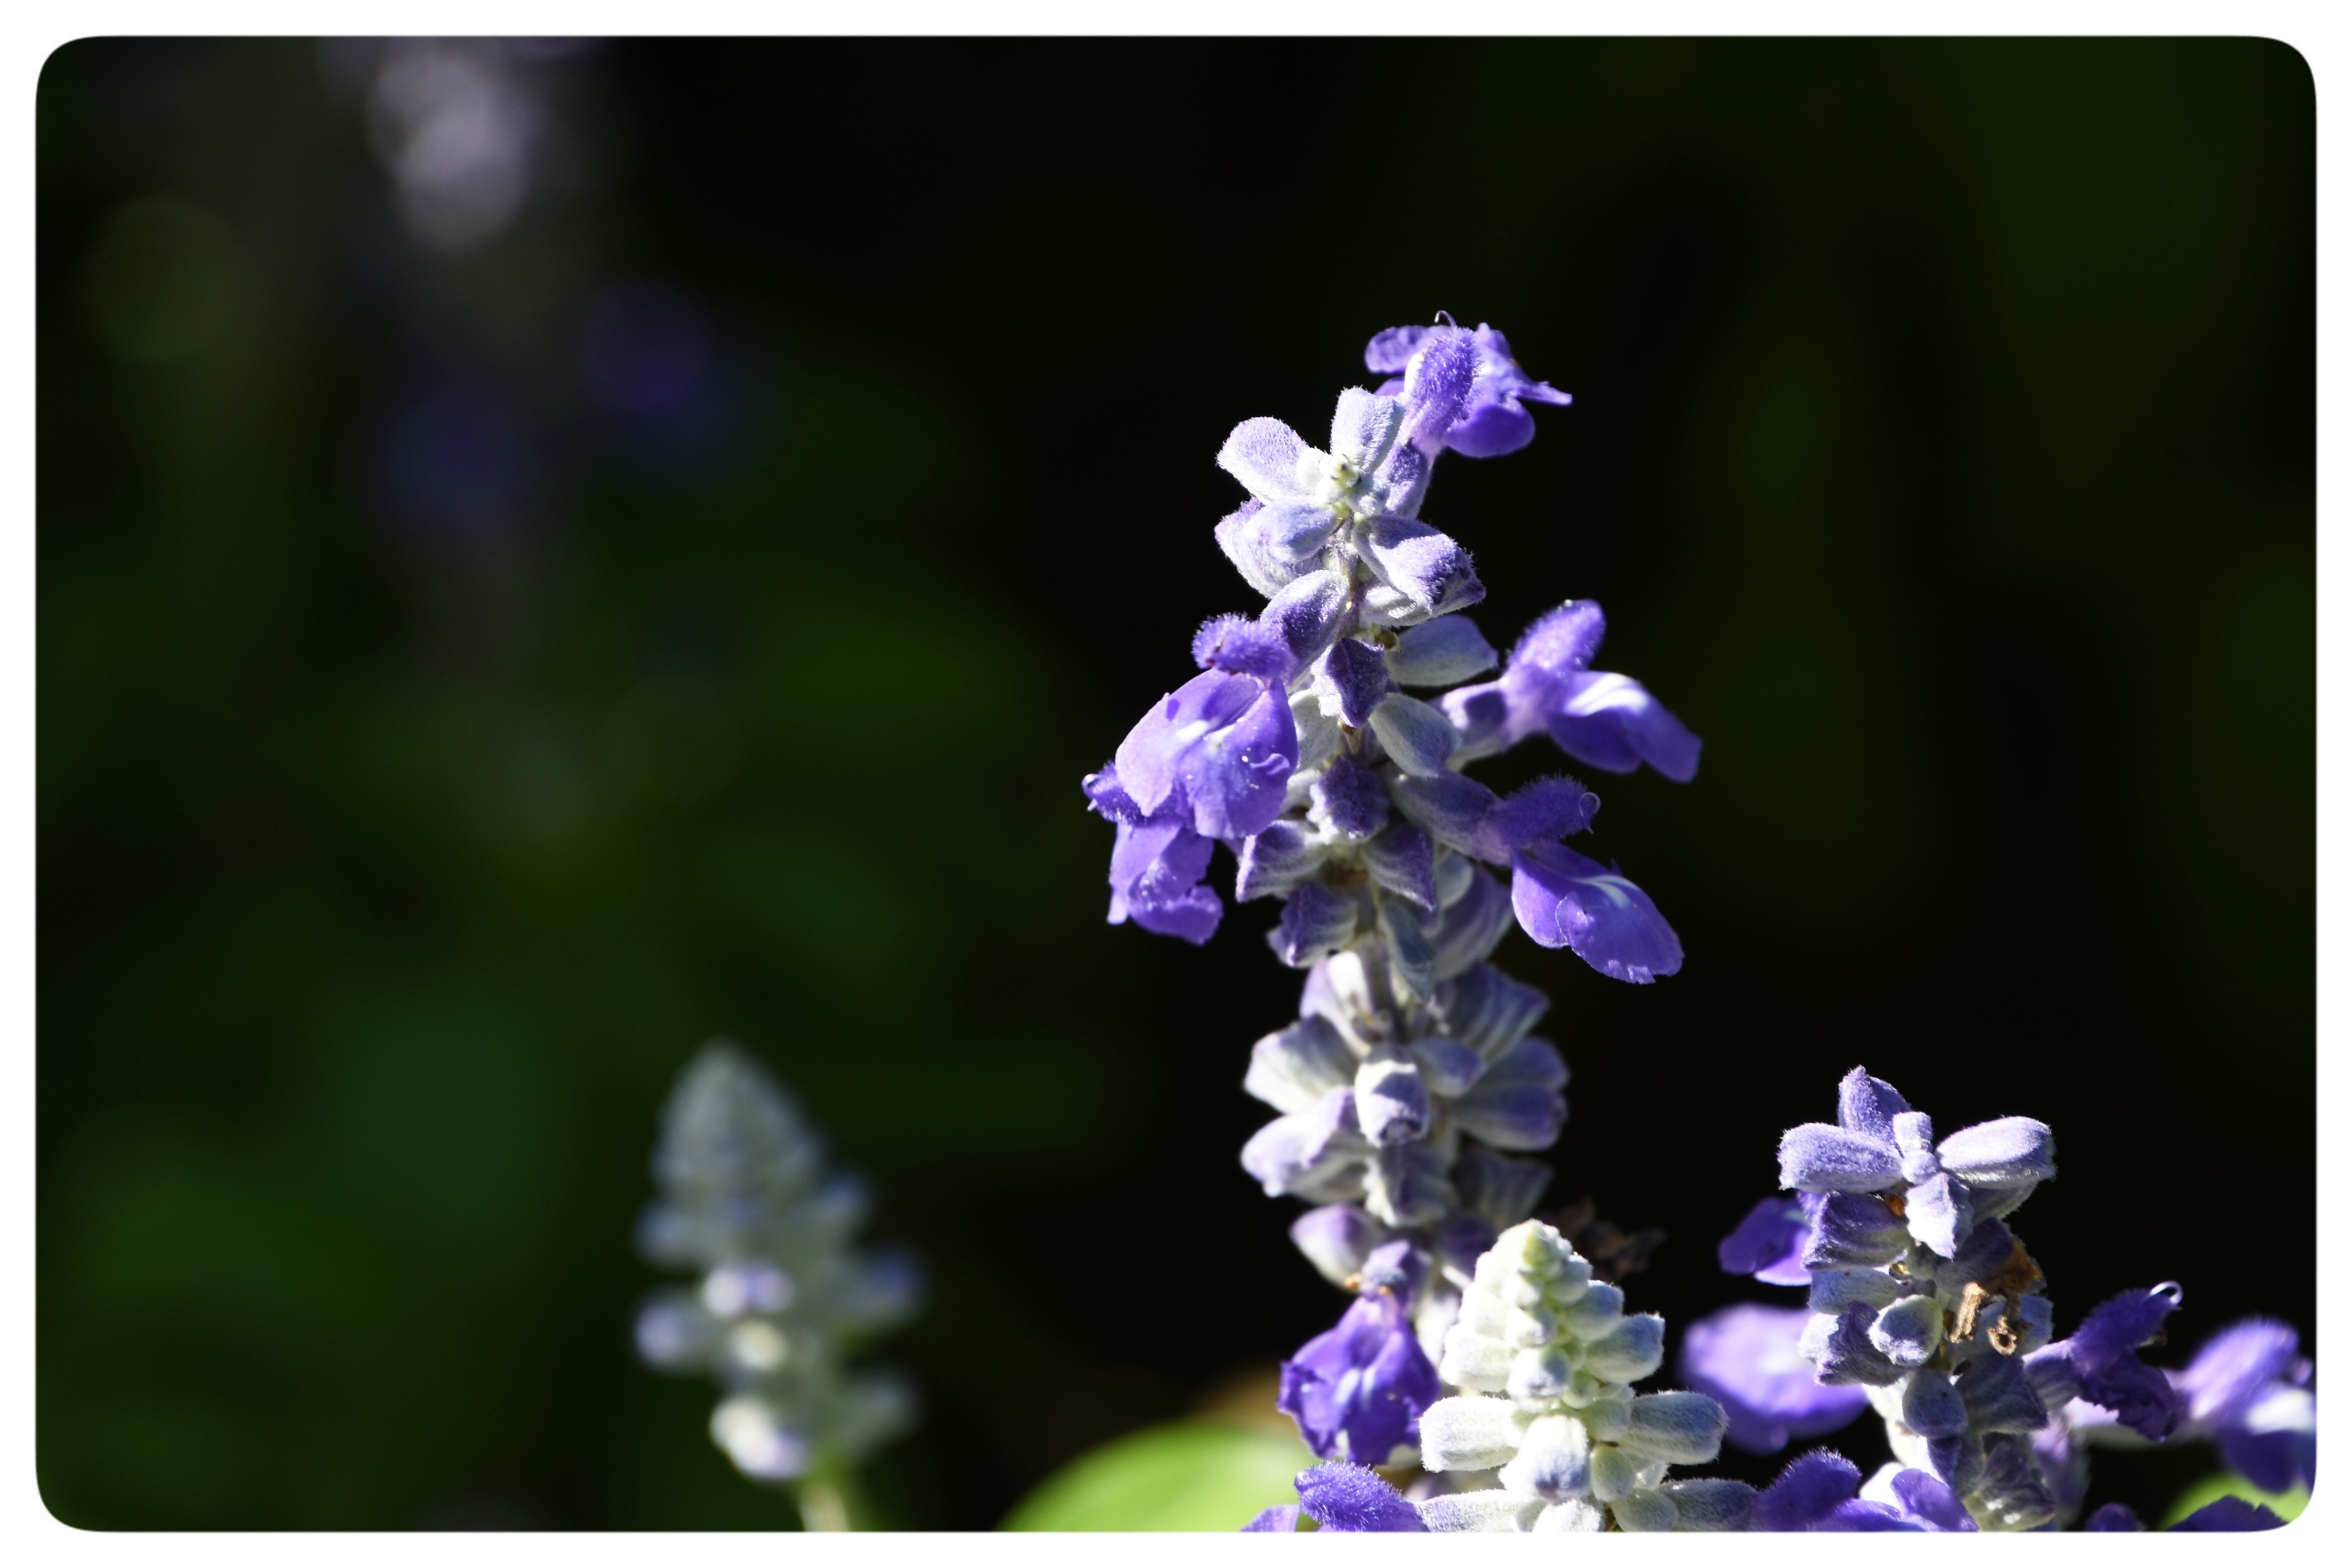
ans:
(1869, 1106)
(1932, 1407)
(2237, 1366)
(1266, 456)
(1352, 798)
(1108, 798)
(2230, 1513)
(1931, 1501)
(1564, 899)
(1360, 674)
(1852, 1230)
(1746, 1357)
(1501, 1191)
(1315, 921)
(1939, 1212)
(1282, 1517)
(1363, 425)
(1241, 647)
(1392, 1101)
(1243, 539)
(1353, 1498)
(1366, 1380)
(1559, 641)
(1306, 614)
(2114, 1516)
(1769, 1242)
(1545, 811)
(1336, 1238)
(1612, 722)
(1807, 1491)
(2274, 1460)
(1276, 860)
(1481, 715)
(2000, 1396)
(2142, 1398)
(1427, 567)
(2013, 1148)
(1845, 1354)
(1492, 430)
(1390, 351)
(1819, 1158)
(1287, 1151)
(1438, 383)
(1957, 1462)
(2121, 1324)
(1155, 869)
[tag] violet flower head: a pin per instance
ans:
(2099, 1362)
(2249, 1388)
(1747, 1358)
(1492, 421)
(1358, 1390)
(1769, 1242)
(1881, 1146)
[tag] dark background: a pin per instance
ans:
(442, 733)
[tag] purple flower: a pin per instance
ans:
(1771, 1242)
(1563, 900)
(1217, 751)
(1342, 1496)
(1747, 1358)
(2248, 1387)
(1881, 1145)
(1490, 420)
(1358, 1391)
(1608, 720)
(1156, 867)
(2106, 1370)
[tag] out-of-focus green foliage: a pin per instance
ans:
(1183, 1474)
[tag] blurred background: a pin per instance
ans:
(552, 551)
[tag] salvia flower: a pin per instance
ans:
(747, 1203)
(2249, 1389)
(1750, 1360)
(1358, 1391)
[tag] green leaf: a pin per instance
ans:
(1185, 1475)
(2228, 1483)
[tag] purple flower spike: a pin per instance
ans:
(1747, 1358)
(1220, 748)
(1563, 900)
(2230, 1513)
(1771, 1242)
(1353, 1498)
(1356, 1391)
